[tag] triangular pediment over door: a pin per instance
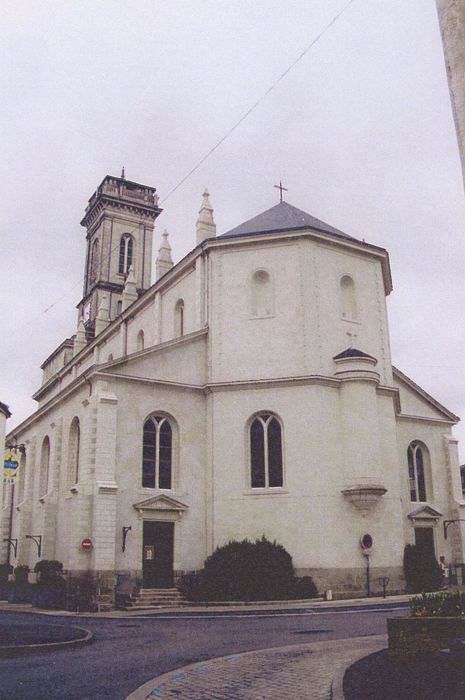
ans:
(161, 507)
(425, 516)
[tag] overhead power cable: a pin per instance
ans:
(232, 129)
(260, 99)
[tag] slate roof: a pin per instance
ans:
(283, 217)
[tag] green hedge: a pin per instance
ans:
(422, 571)
(260, 570)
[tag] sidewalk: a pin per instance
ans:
(315, 605)
(305, 671)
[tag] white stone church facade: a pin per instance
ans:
(249, 391)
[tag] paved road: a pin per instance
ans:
(128, 652)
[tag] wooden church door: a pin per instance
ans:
(157, 554)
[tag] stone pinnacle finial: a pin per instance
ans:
(164, 260)
(80, 337)
(206, 227)
(103, 315)
(130, 290)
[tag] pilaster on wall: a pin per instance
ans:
(105, 486)
(50, 502)
(5, 521)
(23, 511)
(157, 319)
(456, 532)
(199, 292)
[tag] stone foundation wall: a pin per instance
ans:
(412, 637)
(352, 583)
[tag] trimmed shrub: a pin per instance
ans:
(5, 571)
(260, 570)
(422, 571)
(5, 587)
(192, 586)
(21, 575)
(20, 589)
(305, 588)
(49, 591)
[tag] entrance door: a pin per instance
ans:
(157, 554)
(424, 540)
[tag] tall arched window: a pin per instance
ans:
(74, 452)
(418, 464)
(94, 261)
(126, 246)
(140, 340)
(348, 298)
(179, 318)
(157, 453)
(261, 294)
(44, 467)
(266, 452)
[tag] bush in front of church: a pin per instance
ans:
(422, 571)
(49, 591)
(245, 570)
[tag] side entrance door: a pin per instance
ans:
(157, 554)
(424, 540)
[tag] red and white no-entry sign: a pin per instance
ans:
(86, 544)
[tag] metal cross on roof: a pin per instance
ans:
(281, 188)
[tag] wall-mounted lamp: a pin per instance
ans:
(17, 448)
(38, 540)
(126, 529)
(12, 542)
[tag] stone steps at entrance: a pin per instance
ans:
(156, 598)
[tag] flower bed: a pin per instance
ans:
(436, 620)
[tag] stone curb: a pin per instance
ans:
(310, 604)
(21, 649)
(369, 645)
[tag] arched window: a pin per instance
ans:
(261, 294)
(179, 318)
(44, 467)
(110, 358)
(74, 452)
(348, 298)
(157, 453)
(119, 307)
(126, 246)
(418, 465)
(94, 261)
(140, 340)
(266, 452)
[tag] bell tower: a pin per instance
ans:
(119, 219)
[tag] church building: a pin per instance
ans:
(248, 391)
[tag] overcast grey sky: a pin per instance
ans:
(360, 131)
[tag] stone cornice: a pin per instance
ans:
(106, 202)
(103, 371)
(213, 387)
(360, 247)
(426, 419)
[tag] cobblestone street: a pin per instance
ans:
(307, 672)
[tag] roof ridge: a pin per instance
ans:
(283, 216)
